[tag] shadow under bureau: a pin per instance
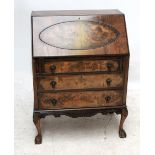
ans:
(80, 64)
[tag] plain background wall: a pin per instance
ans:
(23, 10)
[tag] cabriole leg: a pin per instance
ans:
(124, 114)
(36, 120)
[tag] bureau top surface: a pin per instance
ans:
(78, 33)
(74, 12)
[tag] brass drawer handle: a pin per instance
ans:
(109, 66)
(53, 84)
(109, 81)
(53, 101)
(108, 98)
(52, 68)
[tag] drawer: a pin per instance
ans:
(66, 82)
(82, 66)
(80, 99)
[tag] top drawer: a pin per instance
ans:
(80, 66)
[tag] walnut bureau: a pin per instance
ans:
(80, 64)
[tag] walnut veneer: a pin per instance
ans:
(80, 64)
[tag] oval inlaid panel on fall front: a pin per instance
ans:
(79, 35)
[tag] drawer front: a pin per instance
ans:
(82, 66)
(80, 99)
(66, 82)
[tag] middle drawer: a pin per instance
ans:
(66, 82)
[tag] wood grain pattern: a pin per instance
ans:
(66, 82)
(78, 35)
(125, 68)
(34, 70)
(82, 66)
(80, 99)
(119, 46)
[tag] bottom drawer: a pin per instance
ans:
(85, 99)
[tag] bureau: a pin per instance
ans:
(80, 64)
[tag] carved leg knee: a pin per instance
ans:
(124, 114)
(36, 120)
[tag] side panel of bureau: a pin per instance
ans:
(125, 72)
(35, 81)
